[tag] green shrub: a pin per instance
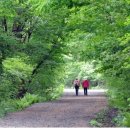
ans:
(54, 93)
(118, 92)
(6, 88)
(26, 101)
(118, 120)
(95, 123)
(2, 111)
(126, 121)
(58, 92)
(6, 107)
(48, 83)
(16, 71)
(18, 104)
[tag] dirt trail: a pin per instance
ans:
(68, 111)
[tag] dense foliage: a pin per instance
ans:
(100, 31)
(31, 50)
(44, 42)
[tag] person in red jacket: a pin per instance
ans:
(85, 85)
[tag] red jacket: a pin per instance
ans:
(85, 83)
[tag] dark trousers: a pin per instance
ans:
(85, 91)
(76, 89)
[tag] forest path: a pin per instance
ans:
(68, 111)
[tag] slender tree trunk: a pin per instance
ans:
(1, 68)
(4, 24)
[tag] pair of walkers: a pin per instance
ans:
(85, 85)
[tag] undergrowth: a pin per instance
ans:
(105, 118)
(12, 105)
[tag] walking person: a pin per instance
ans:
(76, 85)
(85, 85)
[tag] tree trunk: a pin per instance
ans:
(4, 24)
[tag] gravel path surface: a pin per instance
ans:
(68, 111)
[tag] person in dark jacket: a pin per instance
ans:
(76, 85)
